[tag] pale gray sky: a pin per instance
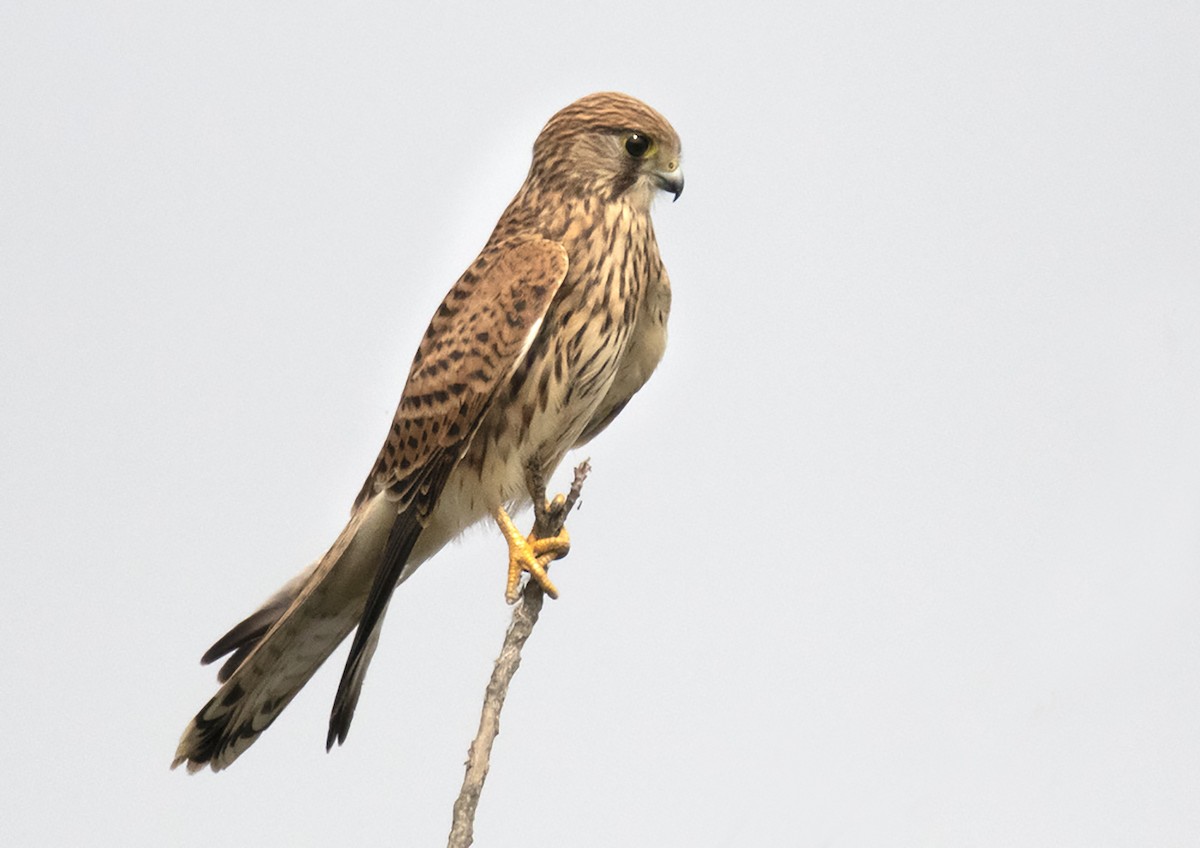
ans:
(900, 546)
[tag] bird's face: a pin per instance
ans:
(611, 145)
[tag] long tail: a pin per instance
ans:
(277, 650)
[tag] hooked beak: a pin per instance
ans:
(671, 181)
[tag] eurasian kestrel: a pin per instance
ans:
(536, 348)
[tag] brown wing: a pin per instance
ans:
(474, 343)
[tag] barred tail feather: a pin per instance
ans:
(277, 650)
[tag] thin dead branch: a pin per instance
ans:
(548, 522)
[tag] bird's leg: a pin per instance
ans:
(549, 517)
(531, 554)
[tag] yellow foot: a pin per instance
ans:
(530, 554)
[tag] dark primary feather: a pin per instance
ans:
(400, 543)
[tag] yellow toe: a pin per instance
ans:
(530, 555)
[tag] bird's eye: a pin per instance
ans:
(638, 145)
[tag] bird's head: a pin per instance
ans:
(608, 144)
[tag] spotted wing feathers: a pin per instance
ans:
(476, 340)
(474, 343)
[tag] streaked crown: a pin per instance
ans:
(607, 143)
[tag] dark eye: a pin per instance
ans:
(637, 145)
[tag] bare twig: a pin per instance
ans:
(548, 522)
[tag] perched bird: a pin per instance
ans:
(539, 345)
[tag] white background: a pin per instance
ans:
(899, 547)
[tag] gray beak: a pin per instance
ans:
(671, 181)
